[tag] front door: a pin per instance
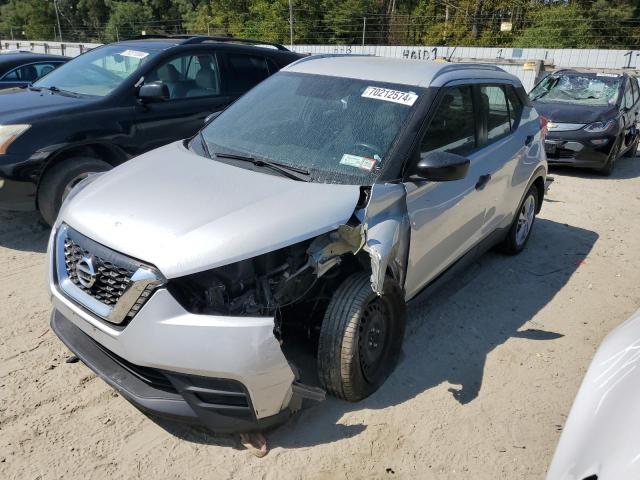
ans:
(194, 84)
(447, 217)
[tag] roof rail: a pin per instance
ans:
(203, 38)
(159, 36)
(190, 39)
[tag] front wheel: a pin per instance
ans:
(607, 170)
(520, 230)
(633, 150)
(60, 179)
(360, 337)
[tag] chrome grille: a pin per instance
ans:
(111, 280)
(111, 285)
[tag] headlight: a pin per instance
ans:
(599, 127)
(8, 133)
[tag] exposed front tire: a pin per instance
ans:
(522, 225)
(58, 181)
(360, 337)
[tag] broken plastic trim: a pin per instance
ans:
(382, 230)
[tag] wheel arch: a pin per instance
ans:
(100, 151)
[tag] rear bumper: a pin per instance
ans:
(223, 405)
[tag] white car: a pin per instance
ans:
(305, 216)
(600, 438)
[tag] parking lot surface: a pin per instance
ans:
(489, 370)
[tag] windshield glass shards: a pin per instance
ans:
(585, 89)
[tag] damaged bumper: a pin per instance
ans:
(222, 405)
(228, 373)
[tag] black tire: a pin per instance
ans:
(349, 366)
(607, 170)
(513, 243)
(632, 152)
(61, 176)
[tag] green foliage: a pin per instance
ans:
(569, 23)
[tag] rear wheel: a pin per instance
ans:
(360, 338)
(58, 181)
(520, 230)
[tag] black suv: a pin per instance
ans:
(115, 102)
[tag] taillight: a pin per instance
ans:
(543, 126)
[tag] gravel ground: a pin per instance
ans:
(489, 370)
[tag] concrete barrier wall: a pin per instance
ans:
(513, 60)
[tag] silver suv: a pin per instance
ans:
(270, 258)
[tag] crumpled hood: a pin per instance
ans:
(185, 213)
(601, 434)
(21, 105)
(573, 113)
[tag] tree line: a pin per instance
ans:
(502, 23)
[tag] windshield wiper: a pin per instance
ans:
(286, 170)
(55, 89)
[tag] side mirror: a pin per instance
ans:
(154, 92)
(212, 117)
(441, 167)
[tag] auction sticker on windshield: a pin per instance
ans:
(389, 95)
(363, 163)
(134, 54)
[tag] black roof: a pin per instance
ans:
(15, 59)
(169, 40)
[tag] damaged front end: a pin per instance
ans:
(294, 284)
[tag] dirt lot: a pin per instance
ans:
(489, 370)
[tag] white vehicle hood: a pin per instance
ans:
(185, 213)
(601, 434)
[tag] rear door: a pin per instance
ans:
(503, 147)
(195, 88)
(446, 217)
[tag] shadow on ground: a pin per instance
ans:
(450, 335)
(24, 231)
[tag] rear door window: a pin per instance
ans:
(495, 112)
(452, 127)
(244, 71)
(188, 76)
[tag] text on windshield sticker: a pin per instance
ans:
(389, 95)
(363, 163)
(134, 54)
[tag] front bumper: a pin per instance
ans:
(222, 405)
(163, 337)
(579, 148)
(18, 187)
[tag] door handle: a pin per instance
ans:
(528, 140)
(482, 181)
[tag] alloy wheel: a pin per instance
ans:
(525, 219)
